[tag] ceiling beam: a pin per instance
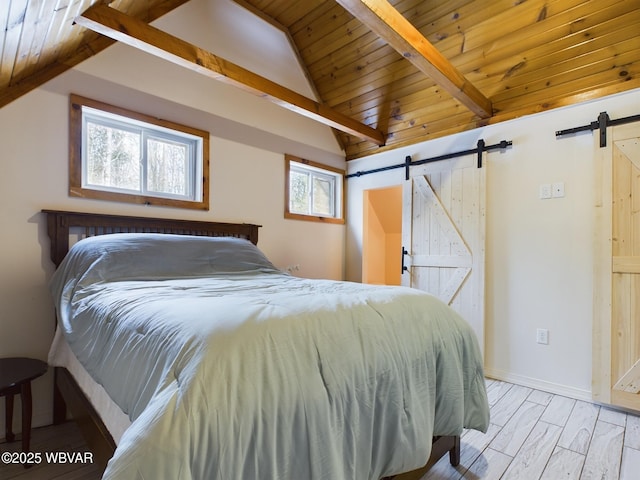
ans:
(389, 24)
(119, 26)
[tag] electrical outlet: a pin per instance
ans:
(542, 336)
(557, 190)
(545, 190)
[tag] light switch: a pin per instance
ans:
(545, 190)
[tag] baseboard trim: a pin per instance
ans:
(555, 388)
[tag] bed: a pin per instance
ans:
(222, 366)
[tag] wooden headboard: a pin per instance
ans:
(61, 224)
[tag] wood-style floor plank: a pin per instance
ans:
(517, 429)
(605, 453)
(558, 411)
(61, 438)
(579, 428)
(536, 435)
(563, 464)
(630, 464)
(532, 458)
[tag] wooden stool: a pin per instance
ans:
(15, 378)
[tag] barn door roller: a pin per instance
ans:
(600, 124)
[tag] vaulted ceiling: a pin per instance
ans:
(386, 74)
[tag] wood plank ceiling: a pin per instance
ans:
(392, 73)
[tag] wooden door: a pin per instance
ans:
(443, 225)
(616, 338)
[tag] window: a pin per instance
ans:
(119, 155)
(313, 191)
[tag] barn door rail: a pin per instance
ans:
(600, 124)
(480, 148)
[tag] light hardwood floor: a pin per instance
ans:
(533, 436)
(536, 435)
(61, 438)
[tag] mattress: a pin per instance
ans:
(61, 355)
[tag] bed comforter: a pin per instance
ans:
(231, 369)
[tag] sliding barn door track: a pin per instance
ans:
(480, 148)
(601, 124)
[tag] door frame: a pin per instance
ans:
(388, 255)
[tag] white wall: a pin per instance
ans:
(203, 23)
(249, 137)
(539, 257)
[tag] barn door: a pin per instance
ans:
(443, 223)
(617, 281)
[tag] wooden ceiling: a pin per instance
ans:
(387, 74)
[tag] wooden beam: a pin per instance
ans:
(119, 26)
(389, 24)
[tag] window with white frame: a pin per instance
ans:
(313, 191)
(122, 155)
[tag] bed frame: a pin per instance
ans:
(68, 396)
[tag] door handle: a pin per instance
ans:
(404, 267)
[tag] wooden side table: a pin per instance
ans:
(15, 378)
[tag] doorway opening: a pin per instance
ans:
(382, 236)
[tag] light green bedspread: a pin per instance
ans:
(260, 375)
